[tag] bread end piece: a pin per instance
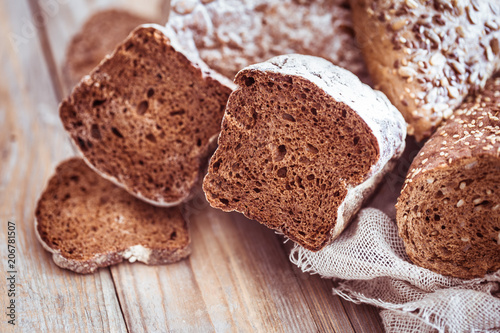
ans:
(303, 143)
(448, 213)
(87, 222)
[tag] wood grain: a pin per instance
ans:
(31, 143)
(238, 277)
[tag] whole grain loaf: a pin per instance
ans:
(303, 143)
(426, 56)
(232, 34)
(448, 212)
(87, 222)
(147, 117)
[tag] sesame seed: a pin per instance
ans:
(462, 185)
(460, 203)
(430, 180)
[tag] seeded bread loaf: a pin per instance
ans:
(87, 222)
(448, 213)
(147, 117)
(232, 34)
(99, 36)
(427, 55)
(303, 143)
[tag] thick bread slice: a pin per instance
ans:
(448, 213)
(87, 222)
(303, 143)
(99, 36)
(426, 56)
(232, 34)
(147, 117)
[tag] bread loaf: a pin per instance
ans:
(303, 142)
(426, 56)
(147, 117)
(87, 222)
(99, 36)
(448, 213)
(232, 34)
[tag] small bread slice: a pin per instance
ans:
(147, 117)
(99, 36)
(87, 222)
(448, 212)
(303, 143)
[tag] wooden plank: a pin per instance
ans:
(32, 141)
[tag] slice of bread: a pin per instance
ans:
(303, 143)
(87, 222)
(99, 36)
(147, 117)
(448, 213)
(230, 35)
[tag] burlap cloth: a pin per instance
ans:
(368, 264)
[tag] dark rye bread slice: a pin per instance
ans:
(99, 36)
(448, 212)
(303, 142)
(147, 117)
(87, 222)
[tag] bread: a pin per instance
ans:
(448, 212)
(303, 143)
(86, 222)
(99, 36)
(426, 56)
(232, 34)
(147, 117)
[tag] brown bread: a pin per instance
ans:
(448, 213)
(303, 143)
(87, 222)
(426, 56)
(147, 117)
(230, 35)
(99, 36)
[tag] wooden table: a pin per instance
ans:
(238, 277)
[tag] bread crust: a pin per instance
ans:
(426, 56)
(232, 34)
(383, 130)
(158, 112)
(448, 212)
(83, 216)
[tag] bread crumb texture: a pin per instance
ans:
(290, 151)
(146, 116)
(426, 56)
(448, 213)
(87, 222)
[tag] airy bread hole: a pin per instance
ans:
(94, 132)
(142, 108)
(98, 102)
(116, 132)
